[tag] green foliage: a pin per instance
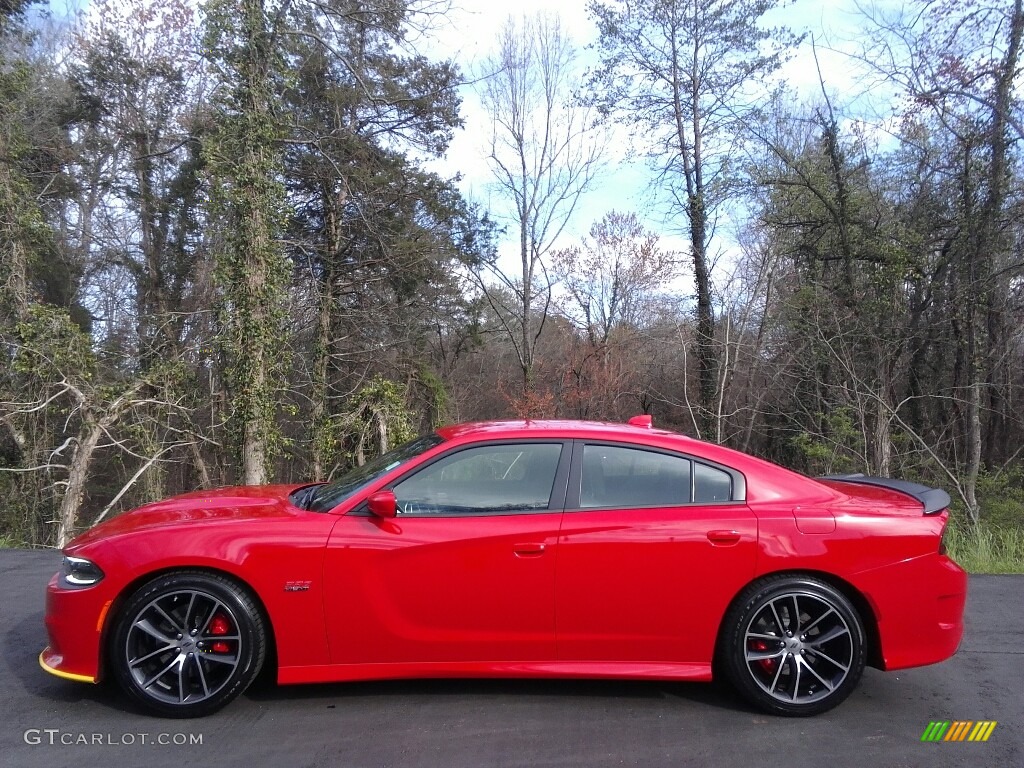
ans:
(376, 420)
(438, 399)
(53, 346)
(26, 240)
(1001, 498)
(834, 449)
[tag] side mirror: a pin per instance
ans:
(383, 504)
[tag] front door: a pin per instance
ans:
(464, 573)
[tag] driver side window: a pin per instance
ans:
(486, 479)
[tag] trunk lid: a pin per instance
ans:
(903, 494)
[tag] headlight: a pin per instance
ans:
(79, 572)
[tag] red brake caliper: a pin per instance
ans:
(768, 665)
(219, 625)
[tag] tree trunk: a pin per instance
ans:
(319, 415)
(200, 466)
(973, 450)
(67, 516)
(254, 453)
(526, 355)
(706, 352)
(881, 443)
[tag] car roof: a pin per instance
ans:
(551, 427)
(764, 479)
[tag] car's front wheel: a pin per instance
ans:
(187, 643)
(793, 645)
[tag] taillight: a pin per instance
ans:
(942, 540)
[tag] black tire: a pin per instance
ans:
(187, 643)
(793, 668)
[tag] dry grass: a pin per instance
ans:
(987, 549)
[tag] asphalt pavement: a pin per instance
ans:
(476, 724)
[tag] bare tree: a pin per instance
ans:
(611, 286)
(614, 277)
(689, 73)
(544, 155)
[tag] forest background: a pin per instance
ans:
(235, 247)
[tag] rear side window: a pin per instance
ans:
(614, 476)
(622, 477)
(484, 480)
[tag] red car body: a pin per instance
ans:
(560, 592)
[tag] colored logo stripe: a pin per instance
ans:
(958, 730)
(982, 731)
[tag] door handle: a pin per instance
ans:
(529, 549)
(723, 538)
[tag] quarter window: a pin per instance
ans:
(481, 480)
(710, 484)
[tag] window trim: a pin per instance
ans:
(556, 499)
(574, 491)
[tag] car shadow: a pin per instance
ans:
(717, 695)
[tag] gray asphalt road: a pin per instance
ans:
(473, 724)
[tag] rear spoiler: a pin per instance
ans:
(934, 499)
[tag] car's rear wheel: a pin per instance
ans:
(187, 643)
(793, 645)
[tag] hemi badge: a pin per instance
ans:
(297, 586)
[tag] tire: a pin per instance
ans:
(793, 668)
(187, 643)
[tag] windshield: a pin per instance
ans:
(326, 497)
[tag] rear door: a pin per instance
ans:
(653, 545)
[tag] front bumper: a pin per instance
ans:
(74, 626)
(51, 662)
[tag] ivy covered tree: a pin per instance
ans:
(244, 157)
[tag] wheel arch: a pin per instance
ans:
(855, 596)
(113, 613)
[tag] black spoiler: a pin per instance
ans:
(934, 499)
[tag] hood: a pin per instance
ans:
(238, 504)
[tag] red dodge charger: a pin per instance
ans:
(517, 549)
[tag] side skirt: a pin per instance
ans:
(334, 673)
